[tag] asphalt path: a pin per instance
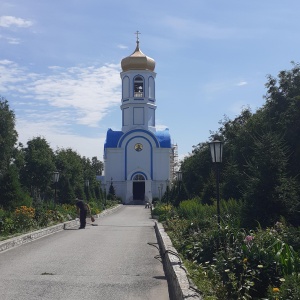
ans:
(109, 261)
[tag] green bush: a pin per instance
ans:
(240, 264)
(288, 290)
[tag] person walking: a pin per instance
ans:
(82, 209)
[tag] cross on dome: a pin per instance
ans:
(137, 36)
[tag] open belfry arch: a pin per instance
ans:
(138, 158)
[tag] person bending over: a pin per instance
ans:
(82, 209)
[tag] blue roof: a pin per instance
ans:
(164, 138)
(112, 138)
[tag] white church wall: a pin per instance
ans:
(151, 116)
(138, 116)
(115, 165)
(138, 160)
(126, 116)
(161, 159)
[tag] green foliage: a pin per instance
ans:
(96, 166)
(261, 159)
(162, 211)
(193, 210)
(28, 218)
(239, 264)
(66, 192)
(95, 208)
(36, 173)
(70, 166)
(289, 288)
(111, 192)
(8, 135)
(195, 169)
(269, 192)
(10, 189)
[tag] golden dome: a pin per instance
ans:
(137, 61)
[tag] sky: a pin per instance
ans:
(60, 64)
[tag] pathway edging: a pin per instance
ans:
(31, 236)
(180, 287)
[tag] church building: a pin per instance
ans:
(138, 158)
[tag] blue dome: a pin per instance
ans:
(164, 138)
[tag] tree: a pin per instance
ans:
(11, 194)
(36, 174)
(66, 191)
(8, 135)
(97, 166)
(282, 111)
(70, 166)
(111, 192)
(195, 169)
(261, 159)
(269, 193)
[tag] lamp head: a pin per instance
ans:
(216, 150)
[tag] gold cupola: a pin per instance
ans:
(137, 61)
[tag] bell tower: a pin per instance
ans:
(137, 158)
(138, 91)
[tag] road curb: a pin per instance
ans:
(31, 236)
(180, 287)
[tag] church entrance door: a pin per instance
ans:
(139, 190)
(138, 187)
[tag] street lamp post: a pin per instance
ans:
(167, 190)
(87, 184)
(55, 178)
(216, 150)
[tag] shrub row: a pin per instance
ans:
(229, 262)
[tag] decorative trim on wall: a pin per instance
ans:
(137, 173)
(139, 130)
(151, 154)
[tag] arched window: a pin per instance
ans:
(139, 177)
(125, 88)
(138, 87)
(151, 86)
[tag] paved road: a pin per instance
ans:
(111, 261)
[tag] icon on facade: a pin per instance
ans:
(138, 147)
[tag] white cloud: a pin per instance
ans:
(5, 62)
(241, 83)
(13, 41)
(122, 46)
(86, 146)
(12, 76)
(84, 93)
(62, 105)
(8, 21)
